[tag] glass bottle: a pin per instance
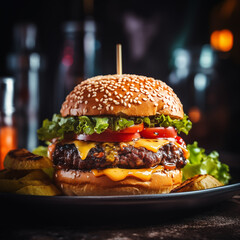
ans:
(25, 63)
(8, 131)
(70, 70)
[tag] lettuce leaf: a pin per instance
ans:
(101, 124)
(201, 163)
(58, 126)
(119, 123)
(41, 151)
(182, 125)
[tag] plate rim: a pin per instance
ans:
(230, 188)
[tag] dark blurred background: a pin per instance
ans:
(194, 46)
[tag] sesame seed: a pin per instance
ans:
(144, 99)
(93, 107)
(111, 107)
(86, 102)
(96, 99)
(139, 102)
(89, 95)
(129, 105)
(155, 104)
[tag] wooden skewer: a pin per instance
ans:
(119, 58)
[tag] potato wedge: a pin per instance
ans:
(35, 175)
(22, 159)
(10, 185)
(41, 190)
(198, 182)
(13, 174)
(33, 182)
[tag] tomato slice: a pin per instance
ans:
(133, 129)
(180, 141)
(159, 132)
(109, 136)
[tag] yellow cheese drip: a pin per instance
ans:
(154, 145)
(84, 147)
(118, 174)
(150, 144)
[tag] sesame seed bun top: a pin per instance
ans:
(126, 94)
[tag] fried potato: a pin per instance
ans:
(13, 174)
(27, 173)
(10, 185)
(33, 182)
(41, 190)
(198, 182)
(35, 175)
(22, 159)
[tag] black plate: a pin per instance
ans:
(156, 202)
(125, 204)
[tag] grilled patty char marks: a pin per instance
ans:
(66, 156)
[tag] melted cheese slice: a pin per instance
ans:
(118, 174)
(155, 144)
(150, 144)
(84, 147)
(186, 153)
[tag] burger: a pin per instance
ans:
(118, 135)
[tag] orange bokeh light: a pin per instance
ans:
(194, 114)
(8, 141)
(222, 40)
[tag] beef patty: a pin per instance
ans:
(102, 156)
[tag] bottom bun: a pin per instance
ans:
(76, 182)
